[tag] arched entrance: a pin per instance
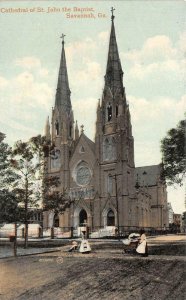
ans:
(82, 217)
(56, 220)
(110, 218)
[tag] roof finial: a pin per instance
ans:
(82, 128)
(62, 37)
(112, 11)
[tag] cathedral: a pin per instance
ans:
(99, 177)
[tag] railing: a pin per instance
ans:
(88, 232)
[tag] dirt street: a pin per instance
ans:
(102, 274)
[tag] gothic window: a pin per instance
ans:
(113, 148)
(110, 218)
(83, 173)
(55, 158)
(57, 127)
(109, 149)
(116, 111)
(109, 112)
(82, 149)
(110, 184)
(106, 149)
(70, 130)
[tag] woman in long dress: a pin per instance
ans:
(142, 246)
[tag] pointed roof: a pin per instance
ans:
(63, 90)
(114, 72)
(2, 136)
(148, 175)
(47, 129)
(90, 143)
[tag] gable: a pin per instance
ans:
(148, 175)
(84, 151)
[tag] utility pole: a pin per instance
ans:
(117, 204)
(15, 240)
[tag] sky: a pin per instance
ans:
(151, 39)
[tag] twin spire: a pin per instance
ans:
(114, 72)
(63, 90)
(113, 76)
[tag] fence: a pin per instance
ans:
(8, 230)
(99, 231)
(70, 232)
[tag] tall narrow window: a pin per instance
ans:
(109, 184)
(109, 112)
(57, 127)
(106, 149)
(116, 111)
(113, 148)
(110, 218)
(70, 130)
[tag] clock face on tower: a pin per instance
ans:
(83, 175)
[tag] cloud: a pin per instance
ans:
(25, 100)
(26, 89)
(91, 71)
(157, 55)
(151, 119)
(28, 62)
(103, 37)
(80, 49)
(159, 47)
(3, 82)
(164, 109)
(181, 45)
(43, 72)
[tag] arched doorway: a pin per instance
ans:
(110, 218)
(56, 220)
(82, 217)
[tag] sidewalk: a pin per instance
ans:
(8, 251)
(44, 245)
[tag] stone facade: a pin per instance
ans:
(100, 177)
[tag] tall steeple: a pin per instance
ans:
(114, 72)
(63, 90)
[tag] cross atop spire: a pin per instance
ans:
(62, 37)
(112, 11)
(114, 73)
(63, 90)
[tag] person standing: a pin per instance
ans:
(142, 248)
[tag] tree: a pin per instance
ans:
(26, 188)
(9, 203)
(173, 151)
(53, 199)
